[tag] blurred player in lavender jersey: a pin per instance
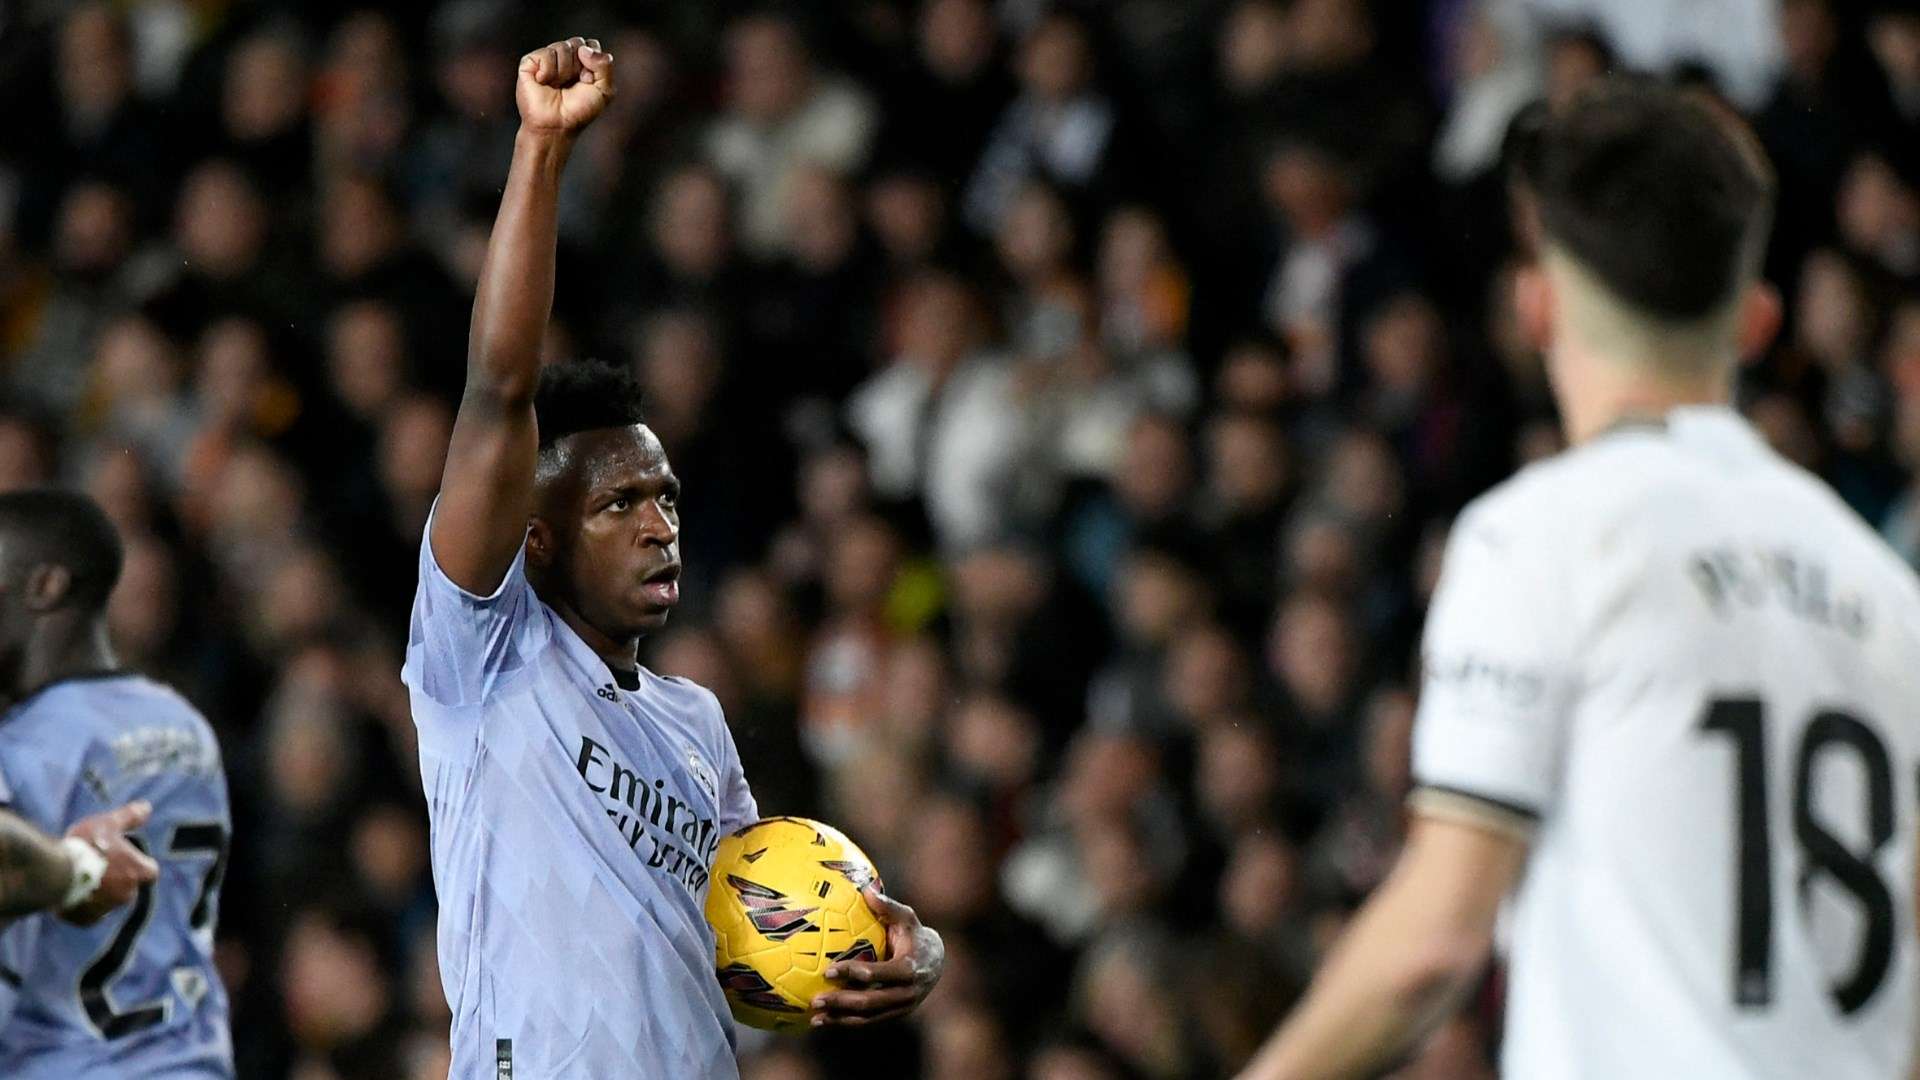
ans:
(135, 993)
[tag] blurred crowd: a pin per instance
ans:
(1072, 399)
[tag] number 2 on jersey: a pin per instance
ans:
(1743, 720)
(207, 838)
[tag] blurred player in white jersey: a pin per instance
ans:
(1671, 703)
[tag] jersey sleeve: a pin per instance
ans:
(1496, 679)
(461, 646)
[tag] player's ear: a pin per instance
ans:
(47, 586)
(1533, 305)
(539, 543)
(1760, 314)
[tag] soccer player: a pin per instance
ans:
(135, 994)
(1671, 693)
(576, 798)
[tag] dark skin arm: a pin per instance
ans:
(35, 870)
(886, 989)
(486, 493)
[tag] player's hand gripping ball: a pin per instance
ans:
(784, 901)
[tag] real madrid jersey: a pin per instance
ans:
(574, 825)
(135, 994)
(1697, 674)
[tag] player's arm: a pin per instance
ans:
(486, 493)
(1412, 954)
(35, 870)
(1488, 745)
(84, 876)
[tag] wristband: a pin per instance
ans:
(89, 866)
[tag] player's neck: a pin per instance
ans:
(620, 655)
(1596, 396)
(62, 649)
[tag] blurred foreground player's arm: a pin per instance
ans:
(84, 876)
(1487, 751)
(486, 494)
(1411, 956)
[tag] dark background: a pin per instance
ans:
(1072, 401)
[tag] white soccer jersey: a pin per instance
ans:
(1698, 673)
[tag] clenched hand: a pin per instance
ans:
(564, 86)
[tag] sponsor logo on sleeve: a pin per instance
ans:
(1493, 682)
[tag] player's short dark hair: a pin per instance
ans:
(1662, 197)
(68, 529)
(585, 395)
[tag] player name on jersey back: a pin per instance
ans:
(1735, 578)
(1697, 672)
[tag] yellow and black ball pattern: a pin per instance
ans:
(784, 902)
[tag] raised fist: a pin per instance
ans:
(564, 86)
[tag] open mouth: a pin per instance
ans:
(663, 585)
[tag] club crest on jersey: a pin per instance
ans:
(771, 913)
(702, 772)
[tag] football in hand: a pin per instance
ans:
(784, 901)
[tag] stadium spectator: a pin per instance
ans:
(782, 114)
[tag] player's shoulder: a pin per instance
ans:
(77, 700)
(684, 694)
(1634, 473)
(1828, 517)
(160, 699)
(1595, 472)
(123, 723)
(176, 705)
(1862, 548)
(131, 706)
(1537, 504)
(1827, 524)
(695, 705)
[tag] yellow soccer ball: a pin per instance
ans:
(784, 902)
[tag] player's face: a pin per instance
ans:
(616, 527)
